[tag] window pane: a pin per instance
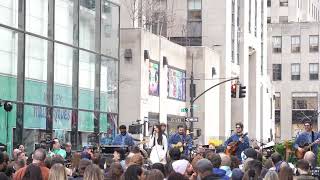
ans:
(87, 24)
(63, 57)
(109, 29)
(37, 16)
(34, 117)
(36, 70)
(194, 4)
(64, 20)
(108, 127)
(86, 80)
(62, 119)
(85, 121)
(9, 12)
(11, 125)
(109, 85)
(194, 29)
(8, 67)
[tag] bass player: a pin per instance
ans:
(307, 138)
(239, 139)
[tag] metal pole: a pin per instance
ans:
(191, 96)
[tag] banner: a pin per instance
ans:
(153, 79)
(176, 84)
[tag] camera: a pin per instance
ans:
(44, 144)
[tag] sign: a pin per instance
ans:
(191, 119)
(184, 110)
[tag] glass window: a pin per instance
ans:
(62, 119)
(295, 44)
(85, 121)
(8, 67)
(64, 20)
(11, 117)
(278, 102)
(36, 70)
(314, 71)
(37, 16)
(63, 59)
(108, 127)
(283, 3)
(194, 4)
(87, 19)
(276, 69)
(194, 15)
(305, 102)
(313, 43)
(9, 12)
(109, 29)
(34, 117)
(109, 85)
(86, 80)
(295, 71)
(276, 44)
(283, 19)
(194, 29)
(268, 19)
(268, 3)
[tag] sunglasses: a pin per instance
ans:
(238, 127)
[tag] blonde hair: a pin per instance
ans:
(93, 172)
(58, 172)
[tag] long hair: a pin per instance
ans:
(93, 172)
(159, 140)
(33, 172)
(58, 172)
(133, 172)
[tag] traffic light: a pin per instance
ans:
(242, 91)
(233, 90)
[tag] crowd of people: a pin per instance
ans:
(169, 159)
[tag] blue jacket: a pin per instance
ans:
(220, 173)
(241, 147)
(175, 138)
(128, 140)
(306, 137)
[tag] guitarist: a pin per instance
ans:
(237, 137)
(181, 140)
(307, 138)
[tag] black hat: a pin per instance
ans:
(250, 153)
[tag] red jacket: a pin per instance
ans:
(20, 173)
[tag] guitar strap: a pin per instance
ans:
(312, 138)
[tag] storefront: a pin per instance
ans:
(59, 68)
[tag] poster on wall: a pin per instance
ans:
(176, 84)
(153, 79)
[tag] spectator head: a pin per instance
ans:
(57, 159)
(237, 174)
(21, 147)
(2, 161)
(48, 162)
(123, 130)
(204, 168)
(136, 159)
(93, 172)
(234, 162)
(276, 157)
(58, 172)
(39, 155)
(160, 167)
(3, 176)
(268, 164)
(303, 166)
(286, 173)
(14, 153)
(215, 159)
(155, 174)
(181, 166)
(116, 170)
(176, 176)
(163, 126)
(254, 166)
(175, 154)
(225, 160)
(271, 175)
(311, 158)
(83, 164)
(75, 160)
(68, 146)
(33, 172)
(250, 153)
(195, 160)
(134, 172)
(119, 154)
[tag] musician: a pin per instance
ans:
(181, 140)
(244, 142)
(159, 145)
(123, 138)
(306, 138)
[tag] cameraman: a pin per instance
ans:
(56, 149)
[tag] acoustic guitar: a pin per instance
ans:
(234, 146)
(305, 147)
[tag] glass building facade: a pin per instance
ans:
(59, 67)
